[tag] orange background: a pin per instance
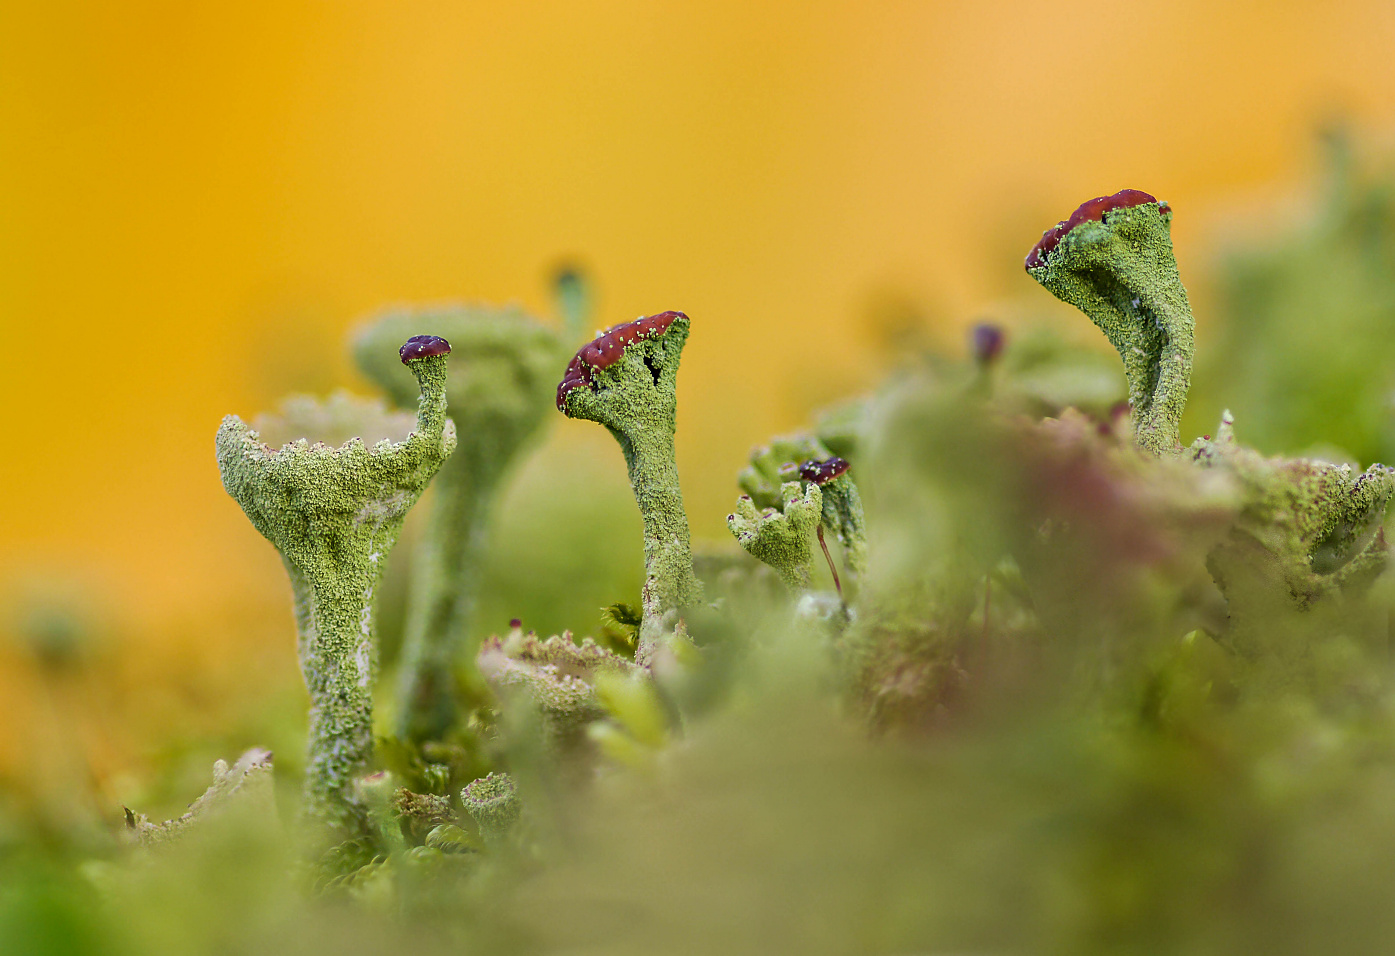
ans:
(199, 199)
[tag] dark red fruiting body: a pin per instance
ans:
(1093, 209)
(423, 346)
(822, 472)
(987, 341)
(606, 349)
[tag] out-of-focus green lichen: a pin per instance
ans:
(637, 726)
(782, 538)
(1306, 530)
(556, 675)
(1122, 274)
(375, 792)
(1302, 351)
(334, 515)
(503, 369)
(492, 802)
(242, 791)
(573, 295)
(420, 813)
(636, 399)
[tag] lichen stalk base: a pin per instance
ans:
(502, 380)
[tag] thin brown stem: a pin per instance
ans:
(829, 558)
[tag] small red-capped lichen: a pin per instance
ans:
(1092, 209)
(822, 472)
(423, 346)
(606, 349)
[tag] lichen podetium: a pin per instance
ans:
(780, 537)
(627, 380)
(1113, 260)
(502, 379)
(334, 514)
(842, 509)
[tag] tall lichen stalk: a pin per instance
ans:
(669, 583)
(499, 393)
(448, 568)
(334, 515)
(1113, 260)
(627, 380)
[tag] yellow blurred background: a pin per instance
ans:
(200, 199)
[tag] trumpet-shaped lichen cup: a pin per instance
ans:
(334, 514)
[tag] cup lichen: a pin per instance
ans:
(498, 392)
(334, 514)
(1113, 260)
(492, 802)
